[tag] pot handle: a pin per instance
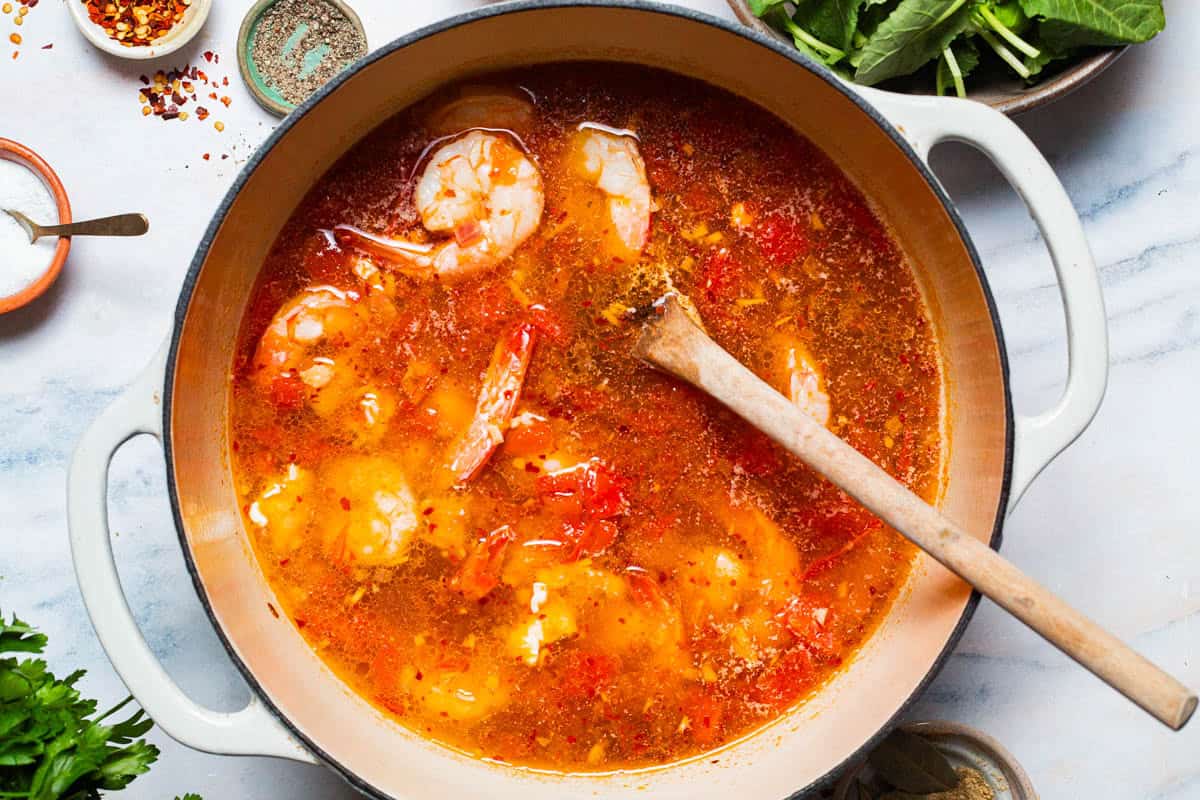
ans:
(927, 121)
(251, 731)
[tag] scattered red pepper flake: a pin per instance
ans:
(166, 93)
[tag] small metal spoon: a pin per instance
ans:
(120, 225)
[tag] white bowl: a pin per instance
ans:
(181, 34)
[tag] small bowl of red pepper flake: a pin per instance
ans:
(139, 29)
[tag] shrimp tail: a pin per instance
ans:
(405, 256)
(497, 400)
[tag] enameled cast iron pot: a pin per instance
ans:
(299, 709)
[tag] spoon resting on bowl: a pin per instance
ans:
(673, 342)
(119, 225)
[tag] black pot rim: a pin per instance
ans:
(517, 7)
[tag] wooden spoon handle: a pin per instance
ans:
(677, 345)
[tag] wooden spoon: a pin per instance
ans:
(674, 343)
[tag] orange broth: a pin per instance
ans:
(635, 575)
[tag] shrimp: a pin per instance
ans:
(497, 400)
(775, 561)
(374, 518)
(796, 373)
(479, 188)
(293, 362)
(556, 597)
(280, 513)
(643, 621)
(741, 596)
(452, 686)
(612, 161)
(483, 107)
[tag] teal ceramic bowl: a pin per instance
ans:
(267, 95)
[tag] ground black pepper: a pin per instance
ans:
(292, 35)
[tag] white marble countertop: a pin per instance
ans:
(1109, 525)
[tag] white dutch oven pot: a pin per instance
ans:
(300, 710)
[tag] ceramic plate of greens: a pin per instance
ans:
(1013, 55)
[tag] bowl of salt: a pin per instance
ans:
(29, 185)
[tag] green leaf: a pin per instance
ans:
(966, 59)
(831, 21)
(18, 637)
(53, 746)
(911, 764)
(190, 796)
(123, 765)
(1067, 24)
(872, 14)
(913, 35)
(812, 47)
(1008, 13)
(1036, 65)
(760, 7)
(967, 54)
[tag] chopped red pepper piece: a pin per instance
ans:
(530, 438)
(587, 496)
(782, 240)
(593, 484)
(786, 680)
(480, 571)
(812, 623)
(645, 588)
(287, 391)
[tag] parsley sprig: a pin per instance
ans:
(53, 744)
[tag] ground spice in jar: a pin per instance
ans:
(136, 23)
(299, 45)
(972, 785)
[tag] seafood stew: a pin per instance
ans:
(490, 520)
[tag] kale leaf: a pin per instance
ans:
(871, 41)
(913, 35)
(831, 21)
(1068, 24)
